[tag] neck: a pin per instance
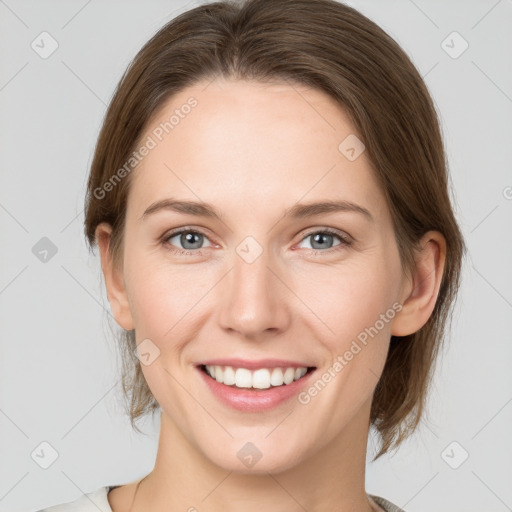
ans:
(330, 479)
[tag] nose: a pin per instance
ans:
(254, 299)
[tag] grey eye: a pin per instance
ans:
(321, 240)
(189, 240)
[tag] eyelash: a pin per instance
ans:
(345, 241)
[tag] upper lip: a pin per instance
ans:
(255, 364)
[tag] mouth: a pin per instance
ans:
(259, 379)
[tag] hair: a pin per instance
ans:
(333, 48)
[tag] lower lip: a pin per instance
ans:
(254, 400)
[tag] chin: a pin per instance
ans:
(253, 458)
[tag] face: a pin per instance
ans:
(265, 283)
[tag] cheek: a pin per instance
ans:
(347, 300)
(357, 306)
(166, 298)
(152, 302)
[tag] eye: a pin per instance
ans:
(323, 240)
(189, 239)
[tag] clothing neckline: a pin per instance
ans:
(374, 500)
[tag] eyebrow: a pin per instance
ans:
(303, 210)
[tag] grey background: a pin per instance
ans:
(58, 358)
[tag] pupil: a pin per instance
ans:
(319, 238)
(188, 238)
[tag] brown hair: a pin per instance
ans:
(333, 48)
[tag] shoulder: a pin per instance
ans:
(385, 505)
(95, 501)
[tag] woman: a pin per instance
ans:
(242, 138)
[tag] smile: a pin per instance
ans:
(262, 378)
(256, 389)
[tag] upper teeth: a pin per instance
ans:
(262, 378)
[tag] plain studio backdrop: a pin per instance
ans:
(62, 428)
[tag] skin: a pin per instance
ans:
(253, 150)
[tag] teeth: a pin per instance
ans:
(229, 376)
(289, 375)
(276, 379)
(243, 378)
(263, 378)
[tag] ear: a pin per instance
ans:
(419, 294)
(114, 280)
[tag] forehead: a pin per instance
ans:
(266, 143)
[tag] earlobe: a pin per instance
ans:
(114, 280)
(420, 294)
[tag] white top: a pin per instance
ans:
(97, 501)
